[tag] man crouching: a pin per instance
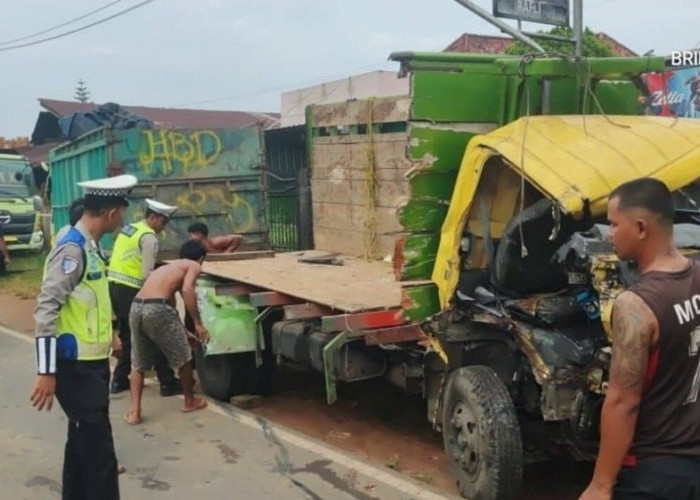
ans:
(155, 324)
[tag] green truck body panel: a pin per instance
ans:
(212, 175)
(230, 320)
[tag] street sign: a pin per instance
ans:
(537, 11)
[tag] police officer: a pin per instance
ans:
(4, 253)
(75, 212)
(132, 260)
(73, 339)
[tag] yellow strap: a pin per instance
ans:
(437, 347)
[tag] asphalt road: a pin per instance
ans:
(220, 452)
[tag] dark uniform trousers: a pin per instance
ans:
(122, 296)
(90, 464)
(660, 478)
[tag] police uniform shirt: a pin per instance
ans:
(149, 242)
(149, 251)
(64, 271)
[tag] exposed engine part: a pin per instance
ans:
(585, 413)
(558, 401)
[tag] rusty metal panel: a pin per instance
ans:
(212, 175)
(406, 333)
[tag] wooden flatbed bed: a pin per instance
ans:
(352, 287)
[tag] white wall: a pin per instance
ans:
(373, 84)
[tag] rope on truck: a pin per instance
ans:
(370, 236)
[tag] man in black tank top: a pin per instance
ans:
(650, 423)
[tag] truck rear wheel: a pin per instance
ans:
(481, 435)
(225, 375)
(215, 374)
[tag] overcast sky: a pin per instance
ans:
(241, 54)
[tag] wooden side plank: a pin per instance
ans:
(221, 257)
(236, 290)
(264, 299)
(362, 321)
(306, 311)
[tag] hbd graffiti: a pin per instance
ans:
(167, 150)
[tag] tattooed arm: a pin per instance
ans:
(635, 333)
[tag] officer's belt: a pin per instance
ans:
(124, 279)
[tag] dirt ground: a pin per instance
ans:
(371, 419)
(17, 313)
(382, 424)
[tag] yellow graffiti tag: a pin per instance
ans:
(171, 148)
(197, 200)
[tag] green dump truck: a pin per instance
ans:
(460, 253)
(214, 175)
(19, 206)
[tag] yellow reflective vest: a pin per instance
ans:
(125, 263)
(84, 325)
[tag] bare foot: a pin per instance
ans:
(121, 469)
(132, 418)
(197, 404)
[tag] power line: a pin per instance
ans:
(282, 87)
(81, 28)
(71, 21)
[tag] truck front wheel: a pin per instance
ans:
(481, 435)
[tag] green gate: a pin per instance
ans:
(288, 189)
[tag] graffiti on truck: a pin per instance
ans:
(240, 211)
(167, 151)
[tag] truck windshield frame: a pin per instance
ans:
(10, 185)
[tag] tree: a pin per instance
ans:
(592, 46)
(82, 93)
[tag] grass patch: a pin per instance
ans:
(24, 275)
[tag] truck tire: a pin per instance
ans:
(215, 374)
(481, 435)
(225, 375)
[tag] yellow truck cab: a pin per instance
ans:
(19, 207)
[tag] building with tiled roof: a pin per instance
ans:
(489, 44)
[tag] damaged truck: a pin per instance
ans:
(455, 244)
(496, 305)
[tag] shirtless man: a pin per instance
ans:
(217, 244)
(155, 324)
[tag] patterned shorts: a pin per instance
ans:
(157, 326)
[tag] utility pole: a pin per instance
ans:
(578, 28)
